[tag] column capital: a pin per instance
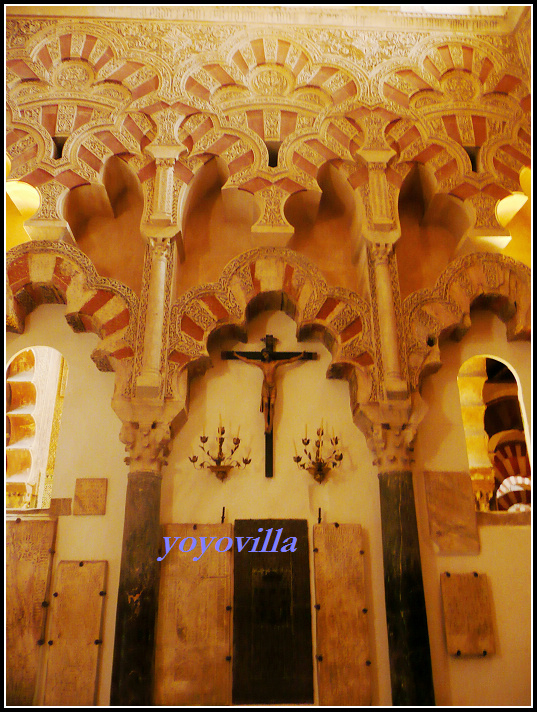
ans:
(380, 251)
(390, 428)
(147, 445)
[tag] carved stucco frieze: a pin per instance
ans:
(307, 64)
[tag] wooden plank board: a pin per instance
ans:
(193, 640)
(343, 667)
(90, 495)
(29, 552)
(467, 603)
(74, 639)
(272, 642)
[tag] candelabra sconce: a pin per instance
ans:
(220, 463)
(316, 462)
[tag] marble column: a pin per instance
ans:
(149, 380)
(394, 384)
(406, 615)
(137, 603)
(390, 428)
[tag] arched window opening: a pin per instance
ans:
(35, 387)
(495, 439)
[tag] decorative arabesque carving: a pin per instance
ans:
(44, 272)
(339, 316)
(118, 68)
(430, 314)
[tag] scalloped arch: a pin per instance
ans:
(499, 283)
(44, 273)
(280, 279)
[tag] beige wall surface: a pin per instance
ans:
(88, 446)
(505, 554)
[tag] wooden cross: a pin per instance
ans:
(268, 361)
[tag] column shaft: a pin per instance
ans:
(133, 667)
(408, 637)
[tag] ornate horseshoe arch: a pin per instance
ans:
(44, 273)
(274, 278)
(499, 283)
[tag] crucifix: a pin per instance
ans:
(268, 361)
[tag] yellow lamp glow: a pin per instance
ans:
(514, 213)
(22, 201)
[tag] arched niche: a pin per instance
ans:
(432, 227)
(105, 222)
(475, 281)
(327, 228)
(492, 407)
(229, 394)
(216, 225)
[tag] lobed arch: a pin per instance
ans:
(279, 279)
(488, 280)
(45, 273)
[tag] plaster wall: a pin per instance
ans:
(88, 446)
(305, 396)
(505, 554)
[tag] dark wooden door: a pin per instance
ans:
(272, 649)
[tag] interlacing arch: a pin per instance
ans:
(489, 280)
(45, 273)
(459, 93)
(275, 278)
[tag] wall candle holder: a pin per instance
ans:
(220, 463)
(318, 464)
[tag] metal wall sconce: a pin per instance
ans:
(318, 464)
(220, 464)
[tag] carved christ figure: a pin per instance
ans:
(268, 390)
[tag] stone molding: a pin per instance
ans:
(489, 19)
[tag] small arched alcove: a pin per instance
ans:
(216, 225)
(495, 437)
(432, 227)
(35, 387)
(326, 229)
(105, 222)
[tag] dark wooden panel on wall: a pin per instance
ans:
(29, 552)
(343, 667)
(193, 640)
(75, 634)
(272, 644)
